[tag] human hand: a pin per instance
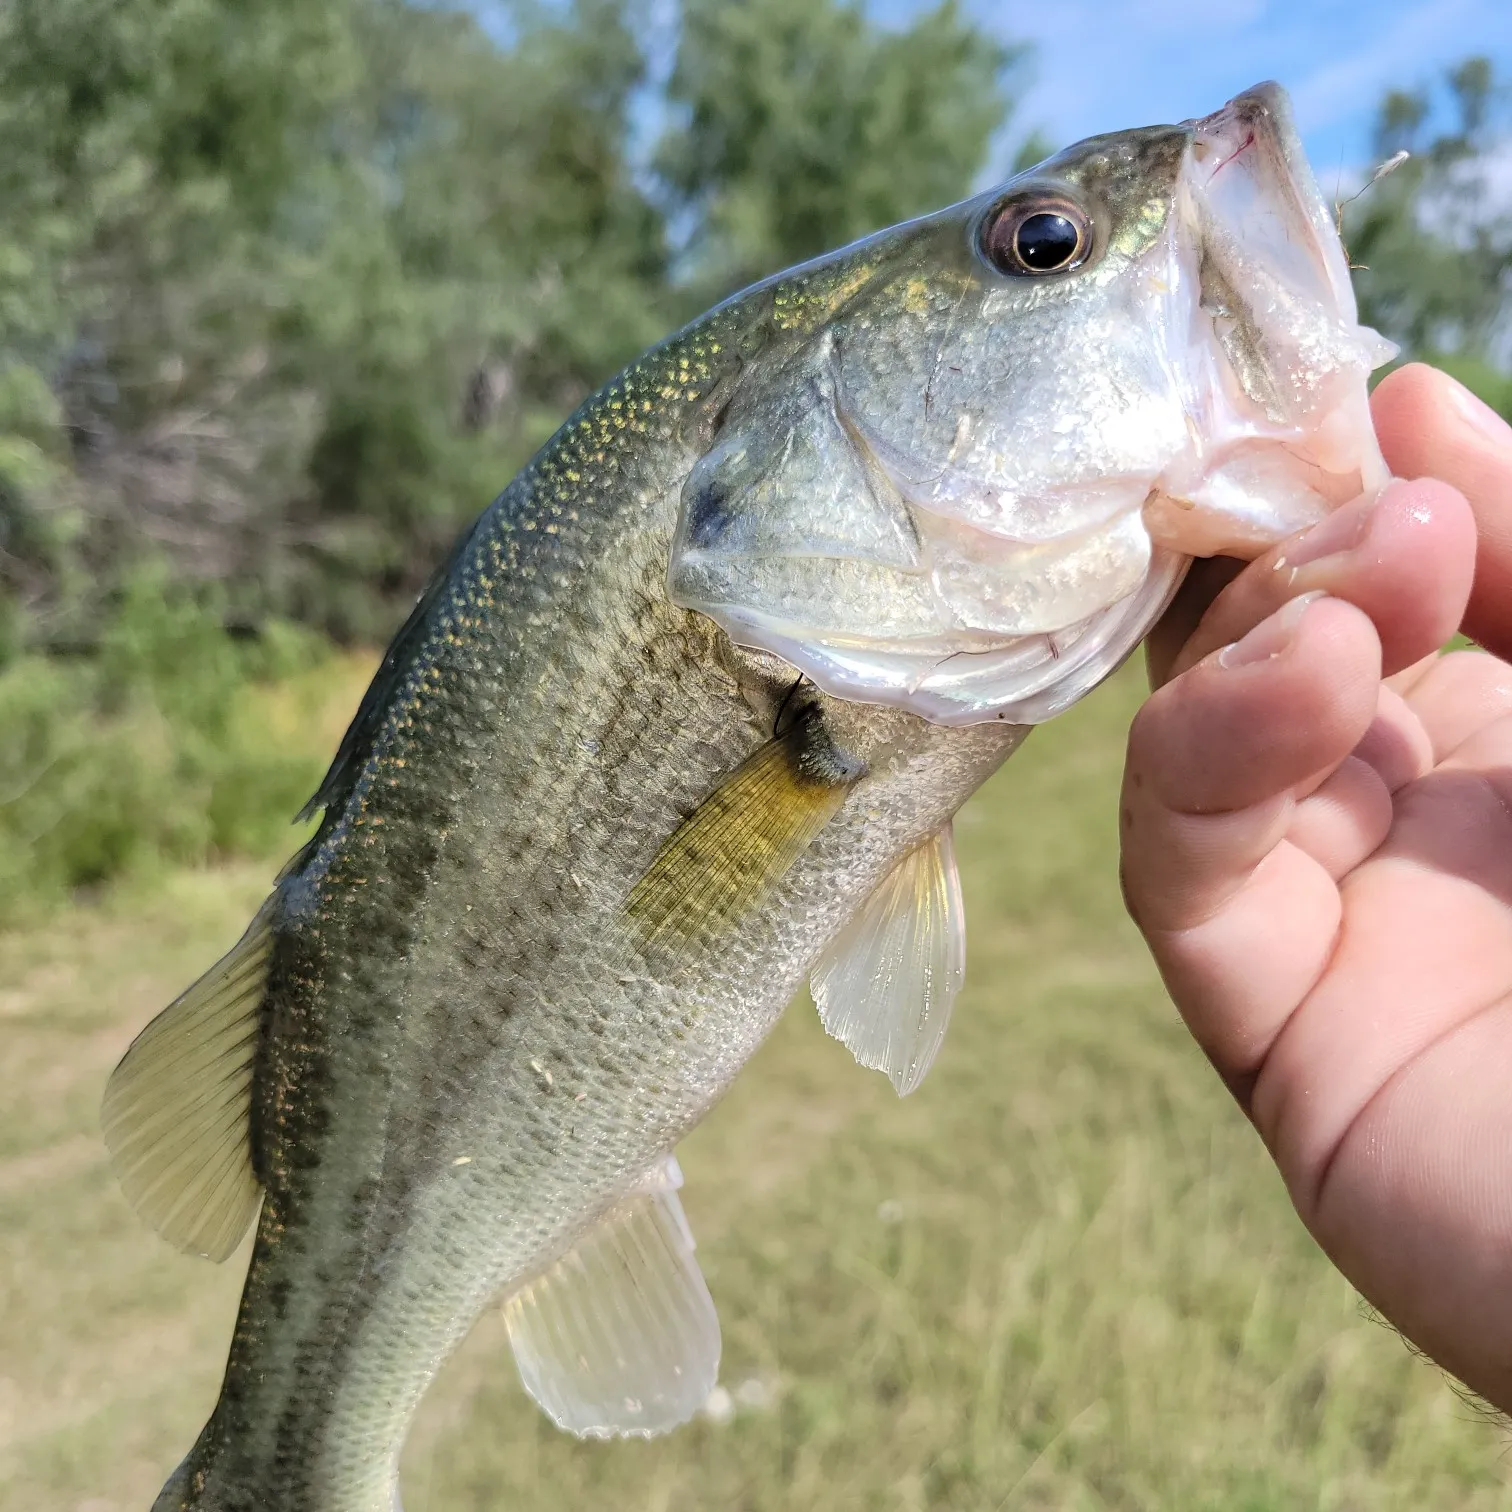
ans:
(1317, 844)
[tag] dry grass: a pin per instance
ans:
(1062, 1275)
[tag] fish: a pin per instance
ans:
(681, 726)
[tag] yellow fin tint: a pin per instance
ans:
(729, 854)
(177, 1110)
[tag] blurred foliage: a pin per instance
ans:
(175, 741)
(1432, 238)
(289, 288)
(805, 127)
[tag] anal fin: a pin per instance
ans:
(887, 983)
(620, 1337)
(177, 1109)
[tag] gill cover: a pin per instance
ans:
(796, 539)
(972, 485)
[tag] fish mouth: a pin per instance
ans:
(1249, 153)
(1270, 356)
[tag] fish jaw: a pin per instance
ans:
(1273, 367)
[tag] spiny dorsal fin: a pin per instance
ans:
(736, 846)
(177, 1110)
(357, 744)
(620, 1336)
(887, 983)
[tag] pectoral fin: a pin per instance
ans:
(886, 985)
(177, 1110)
(620, 1337)
(729, 854)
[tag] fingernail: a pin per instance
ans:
(1343, 530)
(1271, 636)
(1477, 413)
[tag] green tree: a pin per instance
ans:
(288, 288)
(805, 125)
(1433, 249)
(275, 262)
(507, 265)
(147, 151)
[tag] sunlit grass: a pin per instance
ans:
(1061, 1275)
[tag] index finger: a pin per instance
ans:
(1239, 922)
(1431, 426)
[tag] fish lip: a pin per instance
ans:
(1279, 396)
(1264, 113)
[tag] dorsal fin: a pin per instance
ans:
(735, 847)
(887, 983)
(177, 1110)
(357, 743)
(620, 1336)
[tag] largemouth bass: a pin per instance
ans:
(683, 724)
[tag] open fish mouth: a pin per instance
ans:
(1273, 375)
(974, 487)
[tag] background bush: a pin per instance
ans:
(173, 742)
(290, 288)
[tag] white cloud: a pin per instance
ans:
(1497, 167)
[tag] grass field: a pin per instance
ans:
(1061, 1275)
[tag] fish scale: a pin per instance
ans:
(656, 746)
(646, 724)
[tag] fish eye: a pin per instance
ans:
(1037, 237)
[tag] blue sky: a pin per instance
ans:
(1101, 65)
